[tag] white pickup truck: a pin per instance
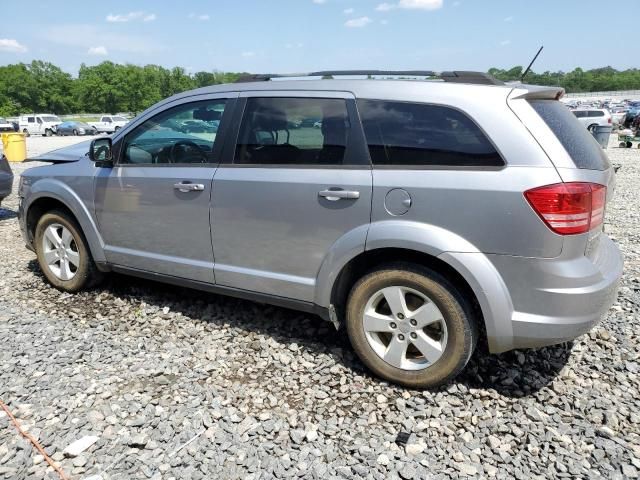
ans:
(109, 123)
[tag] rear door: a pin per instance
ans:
(297, 180)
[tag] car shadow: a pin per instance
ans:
(514, 374)
(518, 373)
(6, 214)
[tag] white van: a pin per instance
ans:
(39, 124)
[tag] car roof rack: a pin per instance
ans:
(456, 76)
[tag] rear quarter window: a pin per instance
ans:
(575, 138)
(420, 135)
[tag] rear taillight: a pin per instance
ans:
(609, 120)
(569, 208)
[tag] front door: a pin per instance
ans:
(297, 181)
(153, 205)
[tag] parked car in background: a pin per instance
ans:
(631, 116)
(39, 124)
(109, 123)
(593, 117)
(76, 128)
(5, 125)
(6, 178)
(420, 216)
(618, 115)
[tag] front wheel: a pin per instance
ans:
(48, 133)
(75, 133)
(26, 133)
(410, 326)
(63, 254)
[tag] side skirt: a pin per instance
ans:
(229, 291)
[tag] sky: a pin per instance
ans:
(278, 36)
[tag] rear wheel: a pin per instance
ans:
(63, 254)
(116, 130)
(410, 326)
(629, 144)
(26, 132)
(592, 127)
(48, 133)
(75, 132)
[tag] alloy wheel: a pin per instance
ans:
(405, 328)
(60, 251)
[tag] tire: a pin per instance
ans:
(592, 127)
(75, 133)
(26, 133)
(455, 332)
(629, 144)
(48, 133)
(85, 274)
(116, 130)
(622, 145)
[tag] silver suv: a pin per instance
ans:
(422, 215)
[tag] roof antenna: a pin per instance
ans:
(531, 64)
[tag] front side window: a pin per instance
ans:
(293, 131)
(412, 134)
(180, 135)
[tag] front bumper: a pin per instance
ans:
(557, 300)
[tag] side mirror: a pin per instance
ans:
(100, 152)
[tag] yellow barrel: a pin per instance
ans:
(15, 147)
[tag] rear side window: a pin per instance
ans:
(577, 141)
(596, 113)
(410, 134)
(293, 131)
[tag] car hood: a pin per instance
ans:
(72, 153)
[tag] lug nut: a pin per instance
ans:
(414, 336)
(413, 322)
(393, 325)
(401, 316)
(400, 337)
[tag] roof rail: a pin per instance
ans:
(457, 76)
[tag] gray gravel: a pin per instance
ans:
(180, 384)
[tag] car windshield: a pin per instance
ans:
(50, 118)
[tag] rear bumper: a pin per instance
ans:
(556, 300)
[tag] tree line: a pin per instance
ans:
(110, 87)
(105, 88)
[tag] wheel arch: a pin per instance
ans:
(57, 196)
(442, 251)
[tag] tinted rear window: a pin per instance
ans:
(413, 134)
(576, 140)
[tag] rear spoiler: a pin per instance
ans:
(535, 92)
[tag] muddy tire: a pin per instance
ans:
(63, 254)
(410, 325)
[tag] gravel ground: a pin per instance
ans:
(163, 382)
